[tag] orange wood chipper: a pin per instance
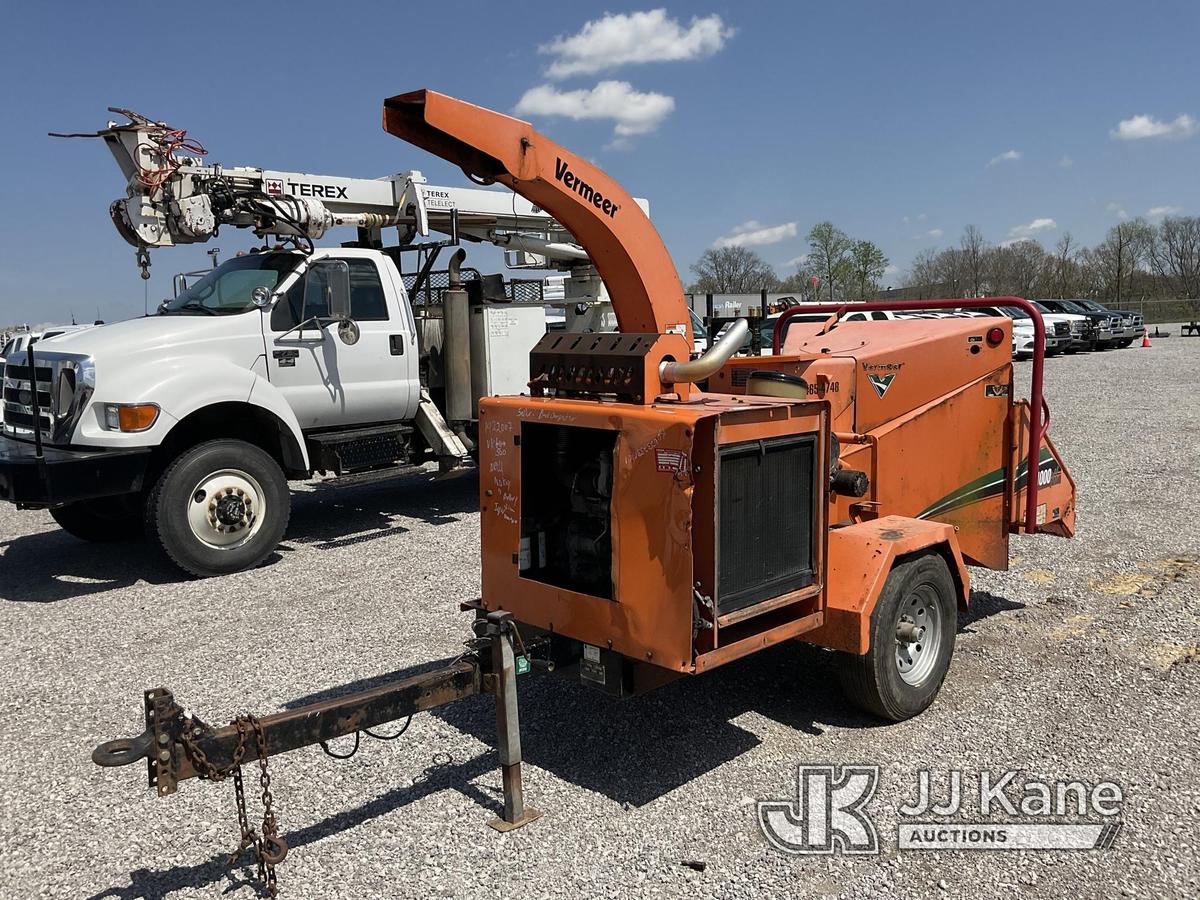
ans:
(637, 528)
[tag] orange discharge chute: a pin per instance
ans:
(618, 236)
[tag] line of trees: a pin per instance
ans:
(837, 267)
(1137, 260)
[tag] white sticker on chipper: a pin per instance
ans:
(670, 460)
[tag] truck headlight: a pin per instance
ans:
(130, 416)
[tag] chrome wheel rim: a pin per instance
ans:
(226, 509)
(919, 635)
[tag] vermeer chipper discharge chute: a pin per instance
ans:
(636, 528)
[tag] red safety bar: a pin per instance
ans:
(1037, 403)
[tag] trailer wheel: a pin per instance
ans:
(103, 520)
(218, 508)
(912, 631)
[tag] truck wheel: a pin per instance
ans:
(220, 507)
(104, 519)
(912, 633)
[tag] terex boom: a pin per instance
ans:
(636, 528)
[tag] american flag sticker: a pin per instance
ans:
(671, 460)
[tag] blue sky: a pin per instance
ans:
(900, 122)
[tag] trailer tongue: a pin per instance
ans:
(177, 745)
(636, 529)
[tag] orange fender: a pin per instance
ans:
(859, 559)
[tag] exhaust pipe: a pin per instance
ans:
(456, 344)
(710, 363)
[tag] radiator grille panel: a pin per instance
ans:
(766, 519)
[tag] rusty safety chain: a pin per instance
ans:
(269, 848)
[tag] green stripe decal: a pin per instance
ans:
(988, 485)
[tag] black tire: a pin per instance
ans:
(102, 520)
(873, 681)
(168, 508)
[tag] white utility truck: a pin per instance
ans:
(279, 363)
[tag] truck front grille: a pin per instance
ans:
(58, 400)
(1061, 328)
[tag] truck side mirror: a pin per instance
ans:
(329, 280)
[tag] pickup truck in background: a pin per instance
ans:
(1080, 326)
(1105, 327)
(1058, 330)
(21, 341)
(1133, 326)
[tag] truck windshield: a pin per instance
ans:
(1014, 312)
(230, 286)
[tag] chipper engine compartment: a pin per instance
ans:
(672, 535)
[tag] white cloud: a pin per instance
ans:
(796, 262)
(634, 112)
(1118, 209)
(1156, 212)
(1142, 127)
(890, 269)
(755, 234)
(1006, 156)
(920, 217)
(934, 233)
(618, 39)
(1030, 229)
(1066, 162)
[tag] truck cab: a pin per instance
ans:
(274, 365)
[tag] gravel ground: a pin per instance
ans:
(1081, 662)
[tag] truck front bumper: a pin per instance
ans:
(63, 476)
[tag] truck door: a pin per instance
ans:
(330, 383)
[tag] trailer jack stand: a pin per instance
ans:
(176, 745)
(499, 626)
